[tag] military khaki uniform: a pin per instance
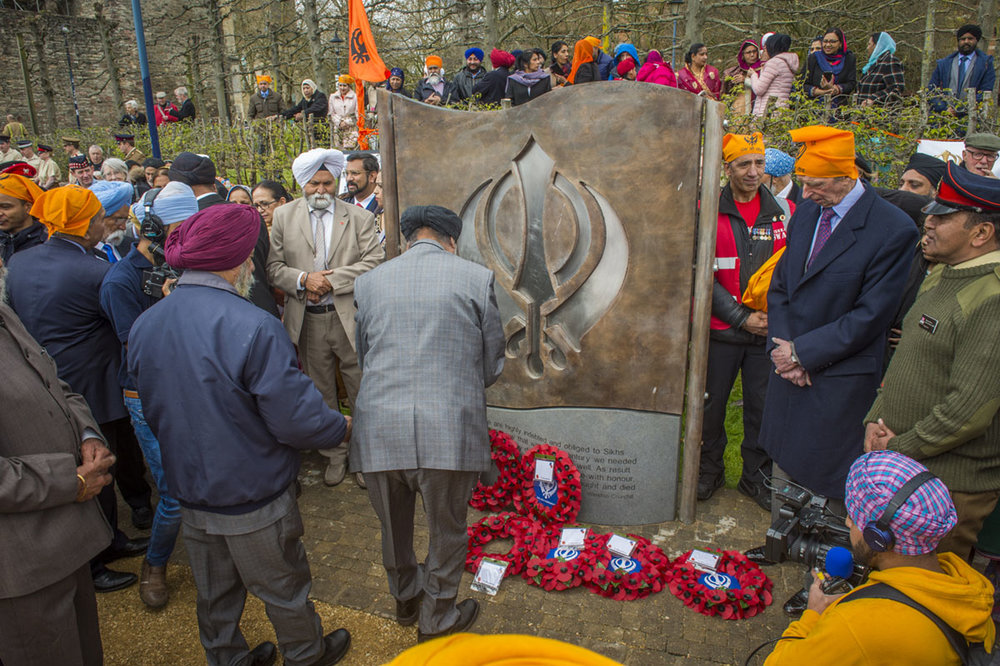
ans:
(47, 169)
(136, 155)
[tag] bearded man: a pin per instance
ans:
(230, 457)
(319, 245)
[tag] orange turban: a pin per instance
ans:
(827, 152)
(583, 51)
(509, 650)
(755, 295)
(434, 61)
(66, 210)
(738, 145)
(264, 77)
(346, 79)
(19, 187)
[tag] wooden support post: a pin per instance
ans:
(387, 150)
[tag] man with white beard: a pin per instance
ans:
(230, 457)
(319, 245)
(434, 88)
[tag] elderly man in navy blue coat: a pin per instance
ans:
(222, 392)
(54, 289)
(831, 301)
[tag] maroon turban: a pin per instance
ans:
(215, 239)
(501, 58)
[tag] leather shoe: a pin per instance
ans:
(756, 492)
(130, 548)
(334, 474)
(109, 581)
(359, 478)
(468, 611)
(153, 585)
(708, 485)
(263, 655)
(797, 604)
(408, 612)
(142, 518)
(335, 644)
(758, 555)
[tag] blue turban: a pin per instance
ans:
(397, 71)
(778, 163)
(476, 51)
(176, 202)
(112, 194)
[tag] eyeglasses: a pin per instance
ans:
(977, 156)
(261, 205)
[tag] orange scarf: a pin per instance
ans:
(583, 52)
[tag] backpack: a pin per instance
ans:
(970, 654)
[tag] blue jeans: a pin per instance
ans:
(167, 519)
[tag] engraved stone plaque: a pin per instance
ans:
(584, 204)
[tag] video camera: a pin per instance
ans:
(154, 278)
(806, 530)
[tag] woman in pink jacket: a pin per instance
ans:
(655, 70)
(776, 77)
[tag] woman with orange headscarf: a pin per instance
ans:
(584, 68)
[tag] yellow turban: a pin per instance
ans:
(738, 145)
(19, 187)
(508, 650)
(827, 152)
(346, 78)
(593, 41)
(755, 295)
(264, 77)
(66, 210)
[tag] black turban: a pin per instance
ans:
(192, 169)
(927, 166)
(438, 218)
(971, 29)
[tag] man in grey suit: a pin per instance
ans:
(52, 465)
(429, 342)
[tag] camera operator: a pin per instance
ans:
(897, 514)
(125, 294)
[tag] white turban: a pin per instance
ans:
(308, 163)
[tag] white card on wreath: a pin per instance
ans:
(573, 537)
(619, 545)
(544, 469)
(489, 575)
(704, 561)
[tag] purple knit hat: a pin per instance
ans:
(922, 520)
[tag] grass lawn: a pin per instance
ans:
(734, 433)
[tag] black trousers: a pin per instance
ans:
(725, 361)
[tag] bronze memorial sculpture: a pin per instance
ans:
(603, 270)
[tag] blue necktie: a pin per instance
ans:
(108, 250)
(963, 62)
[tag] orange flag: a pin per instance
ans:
(363, 62)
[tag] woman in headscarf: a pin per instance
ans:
(733, 77)
(394, 84)
(493, 87)
(698, 76)
(240, 194)
(584, 68)
(832, 71)
(530, 79)
(312, 108)
(344, 113)
(777, 75)
(882, 76)
(623, 51)
(561, 65)
(655, 70)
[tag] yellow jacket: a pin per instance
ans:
(882, 631)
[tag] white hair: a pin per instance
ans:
(131, 104)
(161, 95)
(181, 90)
(114, 164)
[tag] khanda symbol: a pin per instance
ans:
(359, 50)
(557, 248)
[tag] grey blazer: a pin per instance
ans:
(47, 535)
(429, 342)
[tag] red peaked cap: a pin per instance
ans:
(215, 239)
(960, 189)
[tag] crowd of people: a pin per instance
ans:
(141, 305)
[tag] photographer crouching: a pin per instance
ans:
(918, 606)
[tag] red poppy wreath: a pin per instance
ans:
(737, 588)
(626, 578)
(507, 458)
(554, 567)
(507, 525)
(556, 501)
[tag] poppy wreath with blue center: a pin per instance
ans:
(566, 478)
(752, 595)
(551, 567)
(649, 564)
